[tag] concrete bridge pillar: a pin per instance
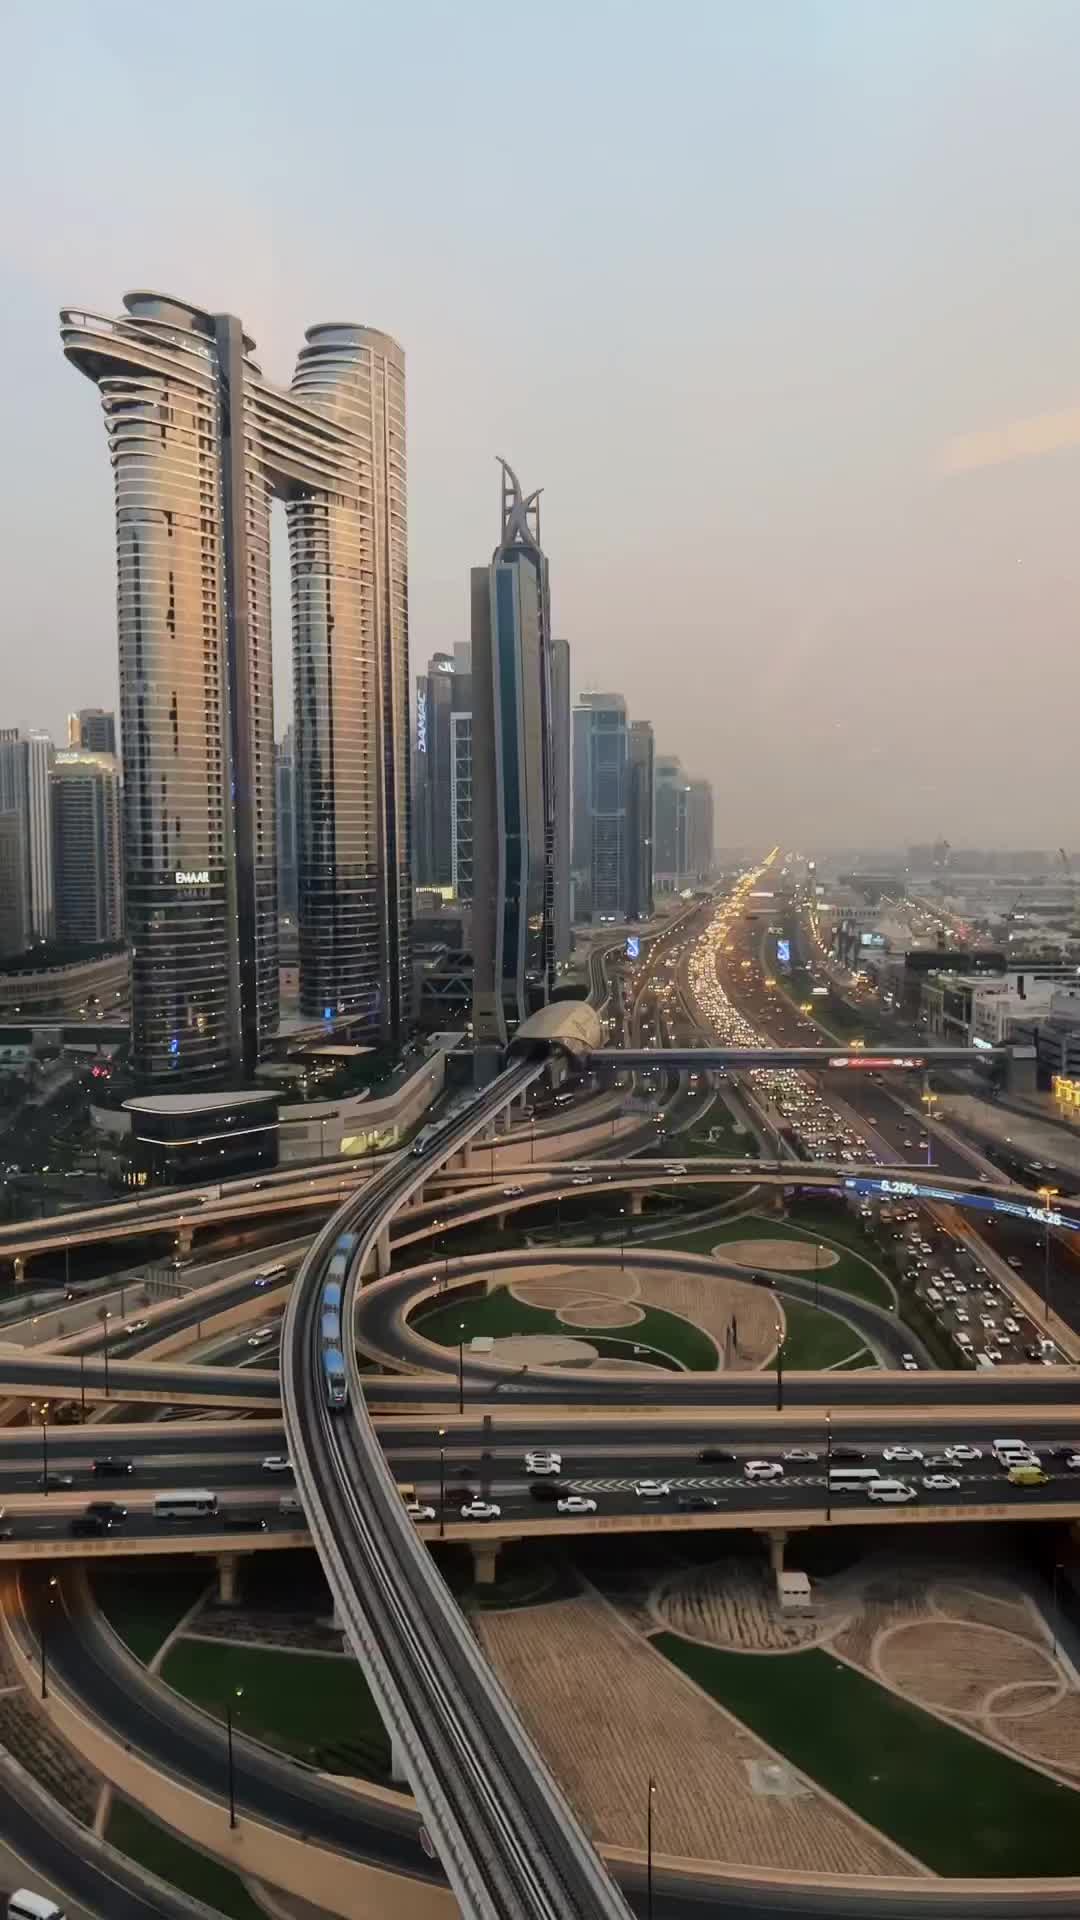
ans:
(398, 1771)
(637, 1201)
(777, 1540)
(485, 1556)
(382, 1254)
(500, 1221)
(183, 1240)
(227, 1577)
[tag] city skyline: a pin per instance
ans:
(802, 529)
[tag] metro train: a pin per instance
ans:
(332, 1356)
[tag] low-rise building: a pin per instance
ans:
(64, 983)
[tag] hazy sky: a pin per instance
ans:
(766, 295)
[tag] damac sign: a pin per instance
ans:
(199, 878)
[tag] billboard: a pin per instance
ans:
(633, 947)
(783, 953)
(982, 1202)
(876, 1060)
(871, 939)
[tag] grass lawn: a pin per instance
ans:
(144, 1611)
(316, 1706)
(815, 1339)
(499, 1313)
(851, 1273)
(954, 1803)
(178, 1863)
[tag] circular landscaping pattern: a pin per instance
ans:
(600, 1313)
(958, 1665)
(779, 1256)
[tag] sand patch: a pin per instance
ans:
(540, 1350)
(955, 1665)
(734, 1605)
(777, 1256)
(601, 1313)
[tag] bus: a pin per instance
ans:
(194, 1503)
(852, 1479)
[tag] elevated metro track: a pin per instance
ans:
(511, 1846)
(816, 1059)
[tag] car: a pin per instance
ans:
(716, 1456)
(844, 1452)
(891, 1492)
(763, 1470)
(902, 1453)
(417, 1511)
(963, 1317)
(56, 1482)
(244, 1523)
(260, 1337)
(107, 1510)
(988, 1321)
(136, 1326)
(1028, 1473)
(276, 1463)
(543, 1462)
(909, 1363)
(262, 1280)
(1016, 1265)
(480, 1510)
(1073, 1462)
(940, 1482)
(581, 1180)
(948, 1273)
(512, 1193)
(963, 1452)
(800, 1453)
(1011, 1325)
(576, 1503)
(652, 1489)
(674, 1167)
(696, 1503)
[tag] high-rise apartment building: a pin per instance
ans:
(639, 817)
(87, 868)
(443, 694)
(461, 806)
(25, 761)
(200, 446)
(513, 774)
(601, 853)
(14, 920)
(672, 822)
(93, 729)
(285, 792)
(561, 776)
(699, 830)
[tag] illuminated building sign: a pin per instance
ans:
(197, 877)
(783, 953)
(982, 1202)
(1066, 1092)
(876, 1060)
(633, 947)
(421, 720)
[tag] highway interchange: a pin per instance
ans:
(370, 1530)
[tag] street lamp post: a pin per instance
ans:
(44, 1411)
(461, 1367)
(442, 1483)
(45, 1636)
(1047, 1195)
(779, 1367)
(82, 1388)
(1056, 1624)
(648, 1848)
(229, 1747)
(105, 1333)
(828, 1466)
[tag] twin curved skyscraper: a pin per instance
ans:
(201, 444)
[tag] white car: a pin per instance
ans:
(940, 1482)
(512, 1193)
(581, 1180)
(963, 1452)
(892, 1493)
(652, 1489)
(136, 1326)
(416, 1511)
(260, 1338)
(963, 1317)
(480, 1510)
(576, 1503)
(988, 1321)
(1011, 1325)
(902, 1453)
(276, 1463)
(800, 1453)
(909, 1363)
(543, 1462)
(763, 1470)
(1072, 1462)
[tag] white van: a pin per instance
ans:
(25, 1905)
(893, 1493)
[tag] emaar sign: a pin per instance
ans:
(196, 877)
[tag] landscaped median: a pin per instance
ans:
(498, 1313)
(950, 1800)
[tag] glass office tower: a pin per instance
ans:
(200, 446)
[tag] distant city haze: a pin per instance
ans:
(780, 305)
